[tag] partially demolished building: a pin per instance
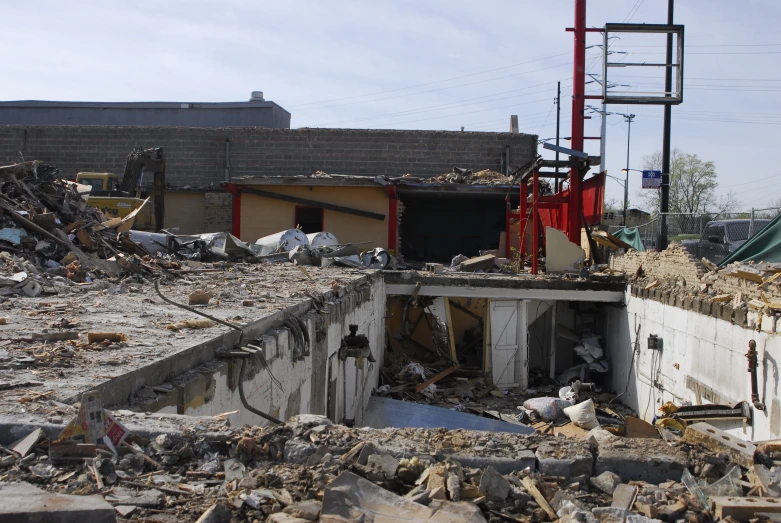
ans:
(162, 377)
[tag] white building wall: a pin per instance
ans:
(709, 350)
(354, 379)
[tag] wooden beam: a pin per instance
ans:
(531, 487)
(448, 371)
(451, 334)
(313, 203)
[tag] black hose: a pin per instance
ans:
(244, 398)
(241, 370)
(297, 338)
(305, 334)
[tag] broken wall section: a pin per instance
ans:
(702, 360)
(319, 383)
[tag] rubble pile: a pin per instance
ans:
(313, 470)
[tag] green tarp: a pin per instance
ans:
(630, 236)
(765, 246)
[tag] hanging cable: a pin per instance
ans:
(243, 363)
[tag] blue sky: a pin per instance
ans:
(414, 65)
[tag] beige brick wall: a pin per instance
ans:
(673, 263)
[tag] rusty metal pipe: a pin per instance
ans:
(753, 363)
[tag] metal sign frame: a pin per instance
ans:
(661, 98)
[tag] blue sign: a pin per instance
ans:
(652, 179)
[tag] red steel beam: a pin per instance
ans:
(578, 107)
(535, 222)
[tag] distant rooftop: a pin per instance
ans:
(257, 112)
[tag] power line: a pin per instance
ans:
(432, 83)
(439, 89)
(450, 105)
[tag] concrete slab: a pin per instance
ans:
(647, 460)
(570, 459)
(716, 440)
(24, 503)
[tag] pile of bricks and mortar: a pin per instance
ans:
(683, 281)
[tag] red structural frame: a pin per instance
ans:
(572, 202)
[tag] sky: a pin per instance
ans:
(407, 64)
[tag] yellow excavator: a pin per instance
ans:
(114, 197)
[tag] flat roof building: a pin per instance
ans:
(256, 112)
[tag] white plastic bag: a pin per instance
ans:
(583, 415)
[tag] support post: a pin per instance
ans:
(393, 225)
(507, 211)
(558, 130)
(535, 222)
(668, 85)
(578, 106)
(553, 338)
(236, 219)
(523, 221)
(629, 119)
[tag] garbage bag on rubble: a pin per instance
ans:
(412, 371)
(549, 409)
(583, 415)
(589, 349)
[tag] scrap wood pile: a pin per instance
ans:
(51, 239)
(313, 470)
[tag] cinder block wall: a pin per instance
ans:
(196, 156)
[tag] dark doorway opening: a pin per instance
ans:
(309, 219)
(437, 229)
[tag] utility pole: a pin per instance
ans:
(668, 86)
(558, 127)
(603, 134)
(629, 118)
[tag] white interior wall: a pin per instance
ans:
(702, 348)
(355, 379)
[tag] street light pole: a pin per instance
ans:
(629, 119)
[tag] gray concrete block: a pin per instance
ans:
(565, 458)
(716, 440)
(640, 460)
(24, 503)
(525, 459)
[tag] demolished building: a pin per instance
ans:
(254, 388)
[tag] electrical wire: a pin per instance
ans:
(434, 82)
(482, 81)
(243, 364)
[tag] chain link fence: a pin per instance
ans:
(706, 235)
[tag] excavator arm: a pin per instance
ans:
(141, 161)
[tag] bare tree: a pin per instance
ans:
(612, 204)
(693, 185)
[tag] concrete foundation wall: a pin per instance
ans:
(197, 156)
(703, 361)
(305, 384)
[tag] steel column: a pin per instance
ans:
(578, 107)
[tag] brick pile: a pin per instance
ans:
(674, 263)
(675, 277)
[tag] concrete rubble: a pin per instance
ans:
(311, 469)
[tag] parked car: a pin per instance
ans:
(721, 238)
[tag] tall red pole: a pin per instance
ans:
(578, 107)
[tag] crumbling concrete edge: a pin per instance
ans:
(119, 390)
